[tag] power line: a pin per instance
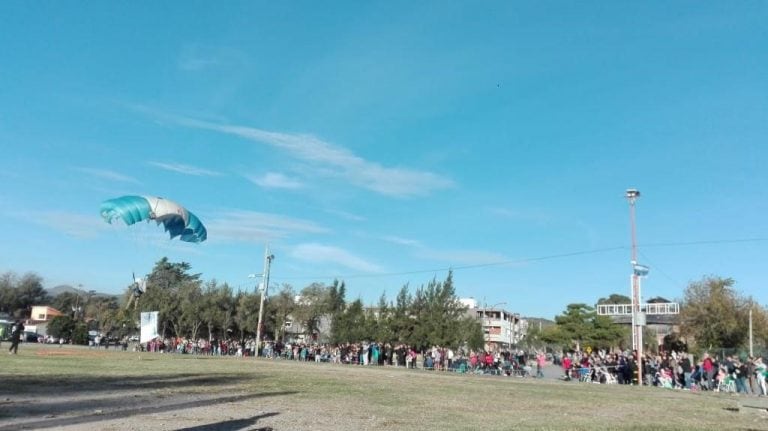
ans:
(706, 242)
(661, 271)
(479, 265)
(526, 260)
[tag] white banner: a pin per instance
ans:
(148, 326)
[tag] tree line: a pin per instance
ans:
(713, 314)
(190, 307)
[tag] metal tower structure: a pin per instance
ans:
(637, 309)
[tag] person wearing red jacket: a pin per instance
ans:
(567, 366)
(709, 370)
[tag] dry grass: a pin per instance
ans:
(76, 388)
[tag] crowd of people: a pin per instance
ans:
(438, 358)
(674, 370)
(671, 370)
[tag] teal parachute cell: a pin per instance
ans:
(176, 220)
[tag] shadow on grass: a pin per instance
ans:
(140, 410)
(232, 425)
(29, 385)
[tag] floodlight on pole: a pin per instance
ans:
(637, 272)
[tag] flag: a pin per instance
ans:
(148, 326)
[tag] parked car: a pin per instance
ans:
(29, 337)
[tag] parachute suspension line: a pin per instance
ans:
(153, 211)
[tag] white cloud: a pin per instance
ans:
(335, 161)
(346, 215)
(274, 180)
(318, 253)
(529, 215)
(73, 224)
(108, 175)
(463, 257)
(251, 226)
(196, 58)
(185, 169)
(402, 241)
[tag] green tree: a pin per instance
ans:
(615, 298)
(575, 323)
(280, 308)
(30, 291)
(164, 285)
(353, 323)
(311, 305)
(8, 295)
(437, 314)
(401, 322)
(66, 302)
(61, 326)
(79, 333)
(18, 295)
(102, 313)
(217, 308)
(337, 303)
(715, 315)
(605, 334)
(471, 331)
(383, 317)
(580, 325)
(247, 313)
(191, 309)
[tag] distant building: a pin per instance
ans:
(44, 313)
(39, 318)
(502, 329)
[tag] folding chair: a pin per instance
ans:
(585, 375)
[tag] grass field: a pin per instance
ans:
(81, 389)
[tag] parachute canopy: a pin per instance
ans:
(176, 220)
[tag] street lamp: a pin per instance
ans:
(637, 324)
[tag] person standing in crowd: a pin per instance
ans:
(740, 372)
(567, 367)
(16, 333)
(751, 370)
(541, 359)
(686, 365)
(708, 367)
(760, 373)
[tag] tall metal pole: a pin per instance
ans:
(486, 339)
(637, 329)
(751, 353)
(264, 291)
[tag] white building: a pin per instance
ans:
(502, 329)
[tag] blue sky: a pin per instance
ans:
(384, 142)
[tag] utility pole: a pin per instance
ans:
(751, 353)
(264, 291)
(637, 318)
